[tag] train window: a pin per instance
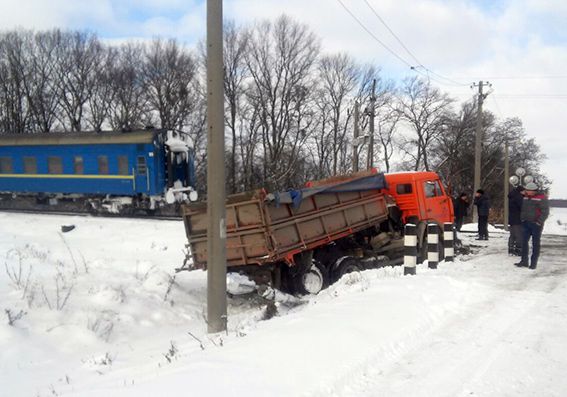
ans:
(54, 165)
(30, 165)
(78, 165)
(141, 165)
(103, 165)
(6, 165)
(123, 165)
(404, 188)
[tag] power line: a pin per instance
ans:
(551, 97)
(392, 32)
(373, 35)
(535, 77)
(524, 95)
(419, 64)
(384, 45)
(497, 106)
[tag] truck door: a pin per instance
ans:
(437, 206)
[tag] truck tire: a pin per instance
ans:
(312, 281)
(348, 265)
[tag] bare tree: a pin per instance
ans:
(128, 108)
(280, 60)
(425, 109)
(102, 95)
(14, 116)
(168, 71)
(453, 153)
(76, 65)
(387, 121)
(339, 76)
(235, 74)
(41, 88)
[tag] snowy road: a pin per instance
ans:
(510, 343)
(475, 327)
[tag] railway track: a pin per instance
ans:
(87, 214)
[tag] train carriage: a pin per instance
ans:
(140, 168)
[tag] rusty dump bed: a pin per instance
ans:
(259, 231)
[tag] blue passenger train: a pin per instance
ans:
(101, 172)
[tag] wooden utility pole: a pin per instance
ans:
(216, 194)
(478, 141)
(356, 135)
(372, 113)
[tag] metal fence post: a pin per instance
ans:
(432, 245)
(410, 249)
(448, 242)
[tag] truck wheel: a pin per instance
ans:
(349, 265)
(313, 280)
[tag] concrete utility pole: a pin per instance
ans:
(356, 135)
(506, 184)
(216, 194)
(372, 113)
(478, 141)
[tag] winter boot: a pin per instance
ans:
(521, 264)
(533, 265)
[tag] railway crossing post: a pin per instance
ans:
(432, 245)
(410, 249)
(448, 242)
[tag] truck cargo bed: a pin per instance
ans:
(261, 229)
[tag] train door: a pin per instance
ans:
(141, 175)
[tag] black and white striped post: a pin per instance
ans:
(448, 242)
(410, 249)
(432, 245)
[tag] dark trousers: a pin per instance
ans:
(533, 230)
(483, 227)
(515, 240)
(459, 220)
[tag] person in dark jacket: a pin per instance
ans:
(535, 210)
(515, 198)
(462, 205)
(483, 206)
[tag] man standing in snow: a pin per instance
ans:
(515, 198)
(483, 206)
(535, 210)
(461, 208)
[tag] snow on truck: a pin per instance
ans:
(302, 240)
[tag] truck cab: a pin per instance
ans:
(421, 197)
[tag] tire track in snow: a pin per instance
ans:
(458, 357)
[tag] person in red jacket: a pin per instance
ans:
(535, 210)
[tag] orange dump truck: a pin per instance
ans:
(302, 240)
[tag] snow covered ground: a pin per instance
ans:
(557, 222)
(103, 314)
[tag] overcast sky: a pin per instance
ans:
(520, 46)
